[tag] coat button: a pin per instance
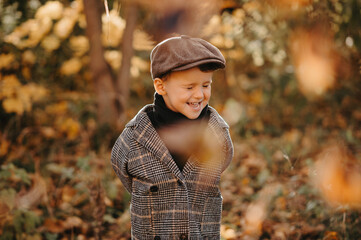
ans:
(154, 188)
(183, 236)
(156, 238)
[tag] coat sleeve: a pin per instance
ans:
(228, 150)
(119, 159)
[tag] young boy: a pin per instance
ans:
(175, 193)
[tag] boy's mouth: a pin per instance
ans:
(194, 104)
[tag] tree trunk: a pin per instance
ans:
(123, 80)
(107, 101)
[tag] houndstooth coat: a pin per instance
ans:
(165, 202)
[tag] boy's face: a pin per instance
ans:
(186, 92)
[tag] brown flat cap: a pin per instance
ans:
(182, 53)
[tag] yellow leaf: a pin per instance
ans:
(6, 60)
(26, 72)
(52, 9)
(38, 31)
(82, 21)
(256, 97)
(31, 93)
(71, 67)
(330, 235)
(113, 57)
(19, 33)
(8, 86)
(78, 5)
(71, 128)
(18, 98)
(64, 27)
(4, 147)
(79, 44)
(28, 57)
(58, 108)
(50, 43)
(13, 105)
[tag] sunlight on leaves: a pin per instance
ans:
(13, 105)
(114, 58)
(142, 41)
(50, 43)
(18, 98)
(6, 60)
(64, 27)
(51, 9)
(38, 30)
(113, 27)
(28, 57)
(9, 83)
(71, 66)
(79, 44)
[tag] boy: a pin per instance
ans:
(175, 192)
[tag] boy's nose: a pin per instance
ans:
(199, 93)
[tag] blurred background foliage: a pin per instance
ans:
(290, 93)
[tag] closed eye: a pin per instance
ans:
(208, 84)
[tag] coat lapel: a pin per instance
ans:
(147, 136)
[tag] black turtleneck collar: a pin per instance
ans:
(162, 116)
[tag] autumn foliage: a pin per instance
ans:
(290, 93)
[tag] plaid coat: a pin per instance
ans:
(165, 202)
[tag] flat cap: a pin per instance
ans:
(182, 53)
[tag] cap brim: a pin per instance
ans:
(198, 63)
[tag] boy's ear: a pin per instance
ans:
(159, 86)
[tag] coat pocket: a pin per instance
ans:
(141, 219)
(211, 218)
